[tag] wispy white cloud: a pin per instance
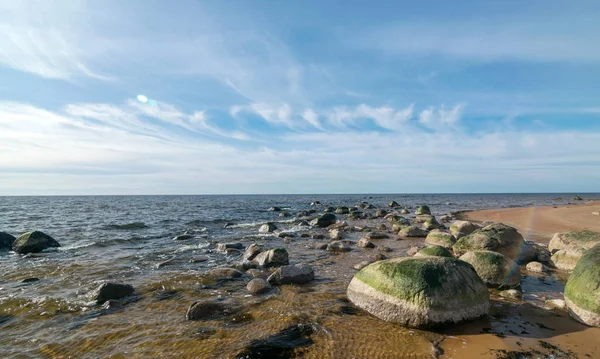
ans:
(385, 116)
(310, 116)
(434, 118)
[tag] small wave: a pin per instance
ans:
(200, 222)
(256, 224)
(128, 226)
(76, 246)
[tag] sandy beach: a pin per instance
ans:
(540, 223)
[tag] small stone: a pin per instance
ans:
(511, 293)
(412, 251)
(30, 280)
(383, 249)
(365, 243)
(275, 209)
(361, 265)
(286, 235)
(272, 258)
(225, 273)
(199, 259)
(305, 235)
(404, 211)
(208, 309)
(267, 228)
(338, 246)
(381, 227)
(225, 247)
(423, 210)
(555, 304)
(292, 274)
(324, 221)
(596, 213)
(376, 235)
(251, 252)
(393, 204)
(318, 236)
(108, 291)
(335, 234)
(536, 267)
(284, 214)
(412, 231)
(258, 286)
(379, 257)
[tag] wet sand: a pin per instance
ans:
(524, 326)
(540, 223)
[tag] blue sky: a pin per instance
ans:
(299, 97)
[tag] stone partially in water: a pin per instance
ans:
(582, 292)
(209, 309)
(227, 247)
(376, 235)
(440, 238)
(267, 228)
(108, 291)
(225, 273)
(325, 220)
(6, 241)
(499, 238)
(435, 251)
(33, 242)
(272, 258)
(495, 269)
(511, 294)
(292, 274)
(420, 292)
(338, 246)
(536, 267)
(281, 345)
(258, 286)
(251, 252)
(365, 243)
(423, 210)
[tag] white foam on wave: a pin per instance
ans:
(257, 224)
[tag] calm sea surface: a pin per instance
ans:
(130, 239)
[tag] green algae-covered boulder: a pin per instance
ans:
(566, 259)
(582, 292)
(496, 270)
(33, 242)
(423, 210)
(436, 251)
(420, 292)
(460, 229)
(569, 247)
(431, 223)
(412, 231)
(499, 238)
(6, 241)
(440, 238)
(399, 220)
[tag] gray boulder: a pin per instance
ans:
(292, 274)
(267, 228)
(496, 237)
(33, 242)
(108, 291)
(258, 286)
(440, 238)
(272, 258)
(324, 220)
(495, 269)
(6, 241)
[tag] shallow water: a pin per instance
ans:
(129, 239)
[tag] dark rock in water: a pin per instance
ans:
(225, 273)
(251, 251)
(376, 235)
(258, 286)
(6, 241)
(577, 198)
(294, 274)
(267, 228)
(284, 214)
(286, 235)
(423, 210)
(224, 247)
(34, 242)
(129, 226)
(383, 249)
(275, 209)
(228, 225)
(30, 280)
(318, 236)
(304, 224)
(381, 213)
(393, 204)
(272, 258)
(281, 345)
(342, 210)
(5, 319)
(209, 309)
(112, 304)
(315, 203)
(109, 291)
(381, 227)
(325, 220)
(199, 259)
(305, 235)
(329, 210)
(183, 237)
(379, 257)
(167, 294)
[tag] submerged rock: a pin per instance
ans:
(404, 211)
(398, 220)
(582, 292)
(225, 273)
(272, 258)
(258, 286)
(555, 304)
(267, 228)
(361, 265)
(227, 247)
(412, 231)
(325, 220)
(208, 309)
(6, 241)
(460, 229)
(275, 209)
(435, 251)
(33, 242)
(440, 238)
(292, 274)
(496, 237)
(108, 291)
(495, 269)
(183, 237)
(281, 345)
(420, 292)
(338, 246)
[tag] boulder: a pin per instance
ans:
(435, 251)
(6, 241)
(251, 252)
(440, 238)
(258, 286)
(33, 242)
(208, 309)
(445, 218)
(329, 210)
(566, 259)
(412, 231)
(376, 235)
(398, 220)
(338, 246)
(381, 227)
(460, 229)
(511, 293)
(342, 210)
(422, 218)
(275, 209)
(404, 211)
(226, 247)
(423, 210)
(555, 304)
(495, 269)
(583, 239)
(379, 257)
(272, 258)
(365, 243)
(225, 273)
(380, 213)
(393, 204)
(325, 220)
(495, 237)
(536, 267)
(335, 234)
(284, 214)
(108, 291)
(267, 228)
(582, 291)
(292, 274)
(431, 223)
(420, 292)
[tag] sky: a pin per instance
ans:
(250, 96)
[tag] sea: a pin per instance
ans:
(131, 239)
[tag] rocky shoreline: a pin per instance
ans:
(414, 270)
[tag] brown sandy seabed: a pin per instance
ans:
(154, 328)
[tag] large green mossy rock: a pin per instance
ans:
(420, 291)
(460, 229)
(34, 242)
(436, 251)
(582, 292)
(495, 269)
(499, 238)
(440, 238)
(423, 210)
